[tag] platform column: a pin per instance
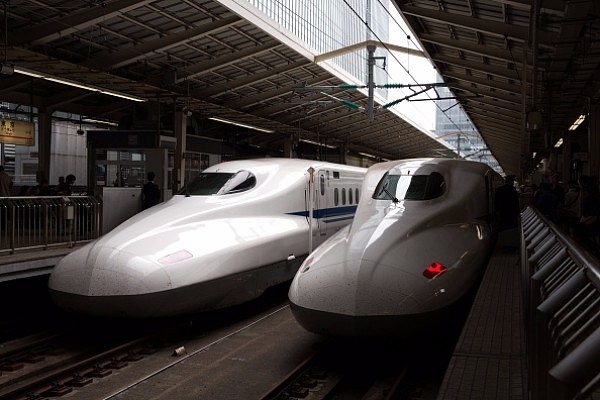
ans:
(594, 139)
(44, 143)
(288, 147)
(179, 166)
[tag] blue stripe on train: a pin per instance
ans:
(330, 214)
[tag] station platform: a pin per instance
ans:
(489, 360)
(29, 263)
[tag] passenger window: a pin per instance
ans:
(349, 196)
(357, 196)
(344, 196)
(336, 197)
(322, 185)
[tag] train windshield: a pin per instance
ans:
(410, 187)
(218, 183)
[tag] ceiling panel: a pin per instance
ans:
(504, 59)
(197, 55)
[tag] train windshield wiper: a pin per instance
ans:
(392, 197)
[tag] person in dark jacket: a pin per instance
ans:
(507, 204)
(150, 192)
(547, 202)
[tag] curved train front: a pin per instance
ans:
(418, 242)
(242, 229)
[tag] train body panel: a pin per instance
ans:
(207, 249)
(370, 278)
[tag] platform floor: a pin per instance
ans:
(489, 360)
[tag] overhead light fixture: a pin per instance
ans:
(318, 144)
(240, 124)
(558, 143)
(577, 122)
(98, 121)
(367, 155)
(69, 82)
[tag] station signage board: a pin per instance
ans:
(13, 131)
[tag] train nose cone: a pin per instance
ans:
(107, 271)
(355, 298)
(354, 288)
(107, 282)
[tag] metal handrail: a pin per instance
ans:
(561, 281)
(40, 222)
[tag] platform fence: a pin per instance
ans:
(562, 312)
(40, 222)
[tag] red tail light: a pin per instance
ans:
(434, 270)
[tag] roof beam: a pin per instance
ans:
(223, 61)
(138, 52)
(555, 7)
(55, 29)
(363, 46)
(500, 29)
(479, 66)
(272, 94)
(477, 49)
(250, 79)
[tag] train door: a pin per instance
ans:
(321, 205)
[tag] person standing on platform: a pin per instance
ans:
(588, 226)
(6, 183)
(150, 192)
(570, 210)
(42, 189)
(507, 204)
(547, 202)
(66, 188)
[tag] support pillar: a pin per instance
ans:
(43, 144)
(594, 139)
(180, 127)
(288, 146)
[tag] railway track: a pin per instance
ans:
(256, 351)
(103, 361)
(357, 369)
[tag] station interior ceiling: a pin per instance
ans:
(522, 71)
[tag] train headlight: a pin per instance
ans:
(307, 263)
(175, 257)
(434, 270)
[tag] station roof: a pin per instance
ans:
(484, 49)
(203, 57)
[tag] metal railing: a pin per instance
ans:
(44, 221)
(562, 312)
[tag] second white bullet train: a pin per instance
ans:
(237, 229)
(421, 235)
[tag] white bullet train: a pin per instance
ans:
(235, 230)
(421, 236)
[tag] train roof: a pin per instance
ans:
(237, 165)
(410, 166)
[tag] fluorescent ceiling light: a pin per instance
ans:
(69, 82)
(558, 143)
(242, 125)
(318, 144)
(98, 121)
(577, 122)
(366, 154)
